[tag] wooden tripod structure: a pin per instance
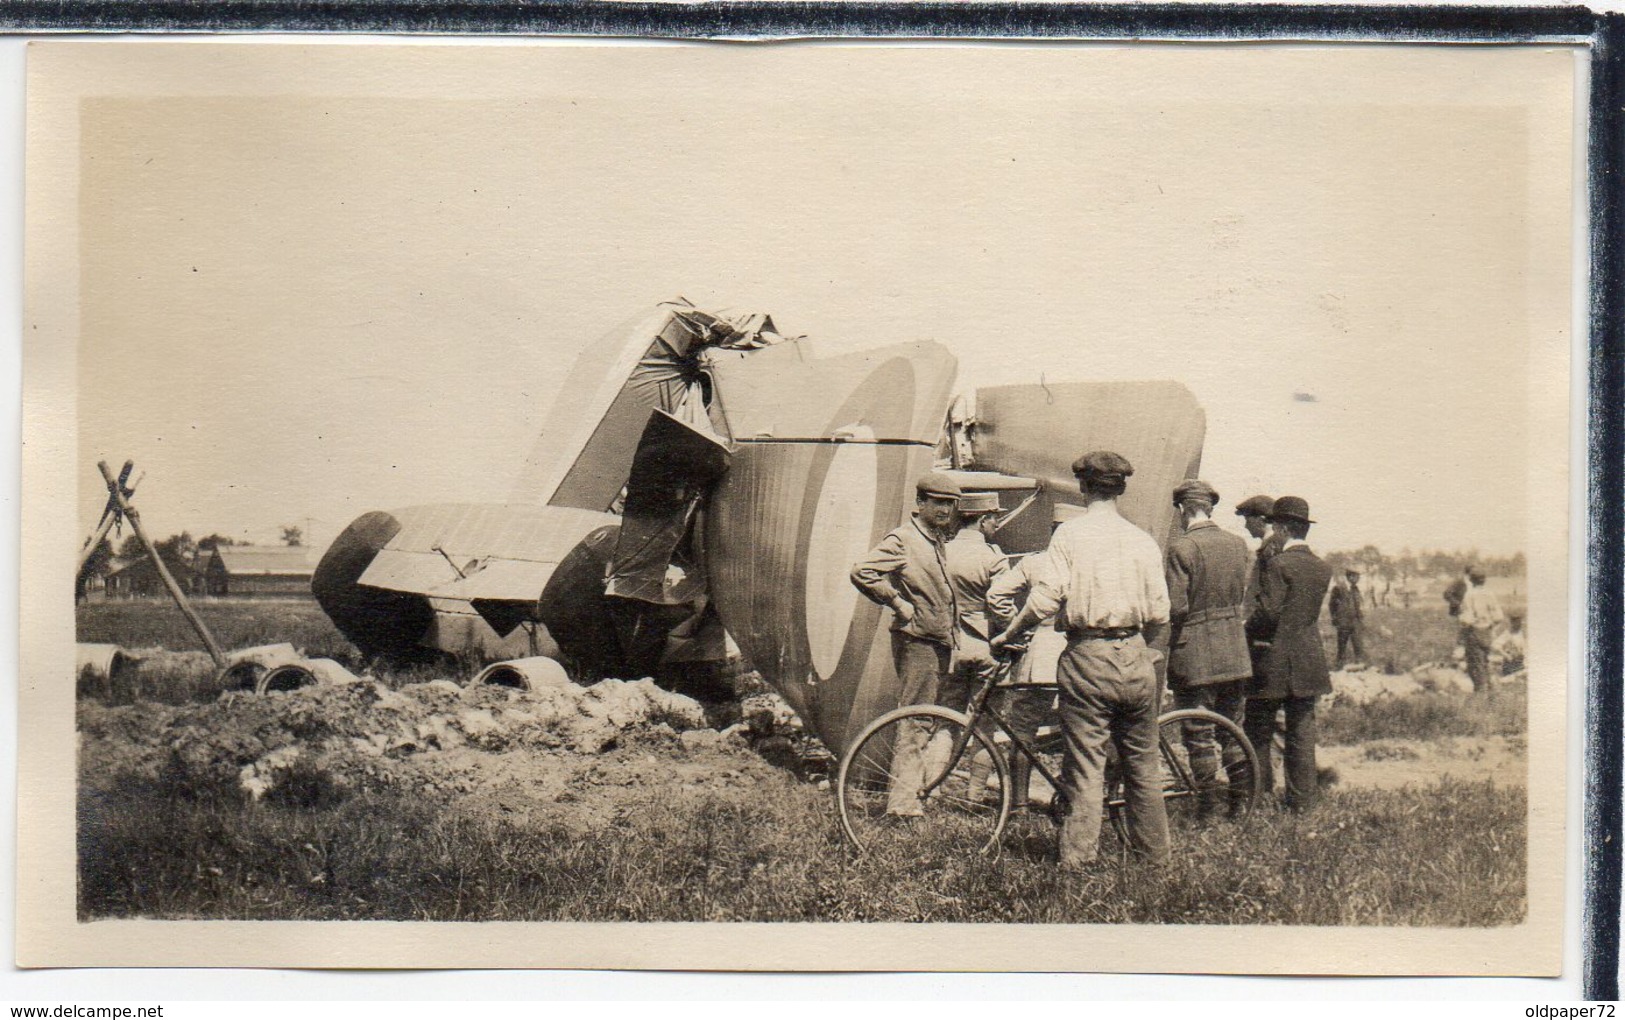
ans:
(119, 508)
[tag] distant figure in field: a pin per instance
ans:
(1208, 658)
(1455, 593)
(1347, 618)
(1293, 672)
(1510, 645)
(1480, 615)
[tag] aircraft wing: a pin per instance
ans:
(447, 576)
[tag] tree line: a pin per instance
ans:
(1406, 565)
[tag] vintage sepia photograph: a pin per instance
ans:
(903, 506)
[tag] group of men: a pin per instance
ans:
(1242, 627)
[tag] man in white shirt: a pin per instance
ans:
(1480, 615)
(1109, 574)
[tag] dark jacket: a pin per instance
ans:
(1292, 588)
(1207, 588)
(911, 563)
(1266, 550)
(1344, 606)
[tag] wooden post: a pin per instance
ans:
(110, 517)
(195, 620)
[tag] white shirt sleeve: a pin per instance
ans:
(1048, 572)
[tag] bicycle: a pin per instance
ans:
(963, 795)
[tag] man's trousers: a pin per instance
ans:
(1348, 639)
(1203, 745)
(921, 666)
(1477, 648)
(1109, 693)
(1298, 761)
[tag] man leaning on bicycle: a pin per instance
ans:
(1106, 577)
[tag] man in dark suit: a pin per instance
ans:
(1293, 673)
(1347, 617)
(1208, 658)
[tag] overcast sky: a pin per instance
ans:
(312, 305)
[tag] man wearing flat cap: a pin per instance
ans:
(1108, 575)
(1293, 673)
(1254, 512)
(1208, 655)
(908, 573)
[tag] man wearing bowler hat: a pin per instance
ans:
(1108, 575)
(908, 573)
(1208, 655)
(1292, 673)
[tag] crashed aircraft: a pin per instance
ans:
(704, 482)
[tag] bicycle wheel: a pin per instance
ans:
(878, 791)
(1223, 782)
(1210, 769)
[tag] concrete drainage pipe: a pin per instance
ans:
(525, 674)
(290, 676)
(247, 667)
(107, 670)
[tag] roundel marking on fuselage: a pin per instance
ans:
(842, 521)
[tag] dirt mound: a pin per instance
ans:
(1441, 677)
(1363, 685)
(327, 741)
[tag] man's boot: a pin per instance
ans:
(1021, 778)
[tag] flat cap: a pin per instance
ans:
(1064, 512)
(1195, 488)
(1291, 508)
(1476, 574)
(939, 485)
(1102, 464)
(1255, 506)
(979, 503)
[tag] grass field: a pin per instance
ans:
(1448, 855)
(235, 623)
(1445, 853)
(1501, 712)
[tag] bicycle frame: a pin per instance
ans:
(980, 707)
